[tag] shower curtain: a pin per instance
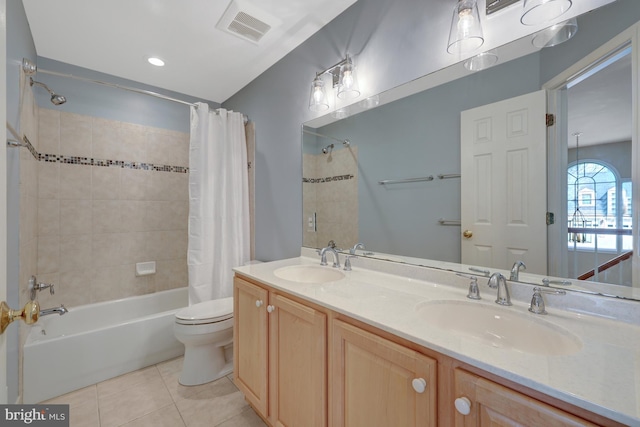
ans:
(218, 202)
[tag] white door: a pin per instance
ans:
(503, 166)
(3, 197)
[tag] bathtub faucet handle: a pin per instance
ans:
(34, 287)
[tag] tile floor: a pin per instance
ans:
(152, 397)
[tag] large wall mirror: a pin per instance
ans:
(391, 176)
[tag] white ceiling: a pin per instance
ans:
(116, 36)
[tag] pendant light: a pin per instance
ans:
(540, 11)
(466, 31)
(318, 99)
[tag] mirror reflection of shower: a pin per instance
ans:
(327, 149)
(56, 99)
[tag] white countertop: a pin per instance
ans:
(603, 377)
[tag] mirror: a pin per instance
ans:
(418, 136)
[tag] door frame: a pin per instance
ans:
(4, 395)
(557, 160)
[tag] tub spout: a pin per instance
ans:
(60, 310)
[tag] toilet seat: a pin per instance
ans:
(206, 312)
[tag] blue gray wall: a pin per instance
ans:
(385, 35)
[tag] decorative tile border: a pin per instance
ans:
(87, 161)
(328, 179)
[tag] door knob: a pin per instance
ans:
(29, 314)
(467, 234)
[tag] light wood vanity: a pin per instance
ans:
(300, 363)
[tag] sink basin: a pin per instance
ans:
(500, 327)
(309, 273)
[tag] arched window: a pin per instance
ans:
(597, 198)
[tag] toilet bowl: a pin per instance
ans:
(206, 330)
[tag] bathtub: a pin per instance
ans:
(95, 342)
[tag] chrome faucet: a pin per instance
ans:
(323, 256)
(355, 247)
(498, 281)
(515, 270)
(59, 310)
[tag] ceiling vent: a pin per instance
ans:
(246, 22)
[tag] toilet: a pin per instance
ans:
(206, 330)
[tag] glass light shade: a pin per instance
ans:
(481, 61)
(348, 85)
(341, 113)
(540, 11)
(555, 34)
(466, 31)
(370, 102)
(318, 98)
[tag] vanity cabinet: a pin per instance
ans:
(376, 382)
(280, 355)
(480, 402)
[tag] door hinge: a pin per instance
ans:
(551, 120)
(551, 218)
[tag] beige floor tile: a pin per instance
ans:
(76, 398)
(170, 366)
(181, 392)
(117, 384)
(247, 418)
(212, 406)
(133, 402)
(163, 417)
(84, 415)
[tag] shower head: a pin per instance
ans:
(327, 149)
(55, 98)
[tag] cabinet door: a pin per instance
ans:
(374, 382)
(494, 405)
(297, 366)
(250, 351)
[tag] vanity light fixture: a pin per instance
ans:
(555, 34)
(344, 81)
(466, 30)
(540, 11)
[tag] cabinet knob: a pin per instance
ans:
(419, 385)
(270, 308)
(463, 405)
(259, 303)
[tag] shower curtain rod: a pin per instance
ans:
(127, 88)
(342, 141)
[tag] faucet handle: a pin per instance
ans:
(474, 291)
(537, 302)
(347, 262)
(34, 287)
(547, 282)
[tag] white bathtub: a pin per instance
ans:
(95, 342)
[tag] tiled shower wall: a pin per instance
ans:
(330, 190)
(95, 223)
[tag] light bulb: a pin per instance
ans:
(318, 95)
(347, 79)
(466, 23)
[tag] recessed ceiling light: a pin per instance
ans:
(155, 61)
